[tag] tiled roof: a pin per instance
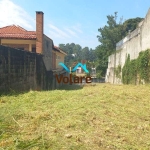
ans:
(16, 32)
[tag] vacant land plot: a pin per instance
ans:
(97, 117)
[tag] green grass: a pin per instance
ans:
(100, 117)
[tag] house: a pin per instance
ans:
(58, 56)
(34, 41)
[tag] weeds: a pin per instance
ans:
(96, 117)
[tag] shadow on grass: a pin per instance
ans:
(17, 93)
(71, 87)
(12, 93)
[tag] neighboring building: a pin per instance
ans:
(80, 71)
(33, 41)
(17, 37)
(58, 56)
(135, 42)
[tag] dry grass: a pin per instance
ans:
(97, 117)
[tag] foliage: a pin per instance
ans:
(102, 59)
(143, 65)
(118, 71)
(90, 65)
(129, 71)
(138, 69)
(99, 74)
(75, 53)
(109, 35)
(131, 24)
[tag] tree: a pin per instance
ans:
(102, 59)
(75, 53)
(131, 24)
(85, 53)
(92, 55)
(109, 35)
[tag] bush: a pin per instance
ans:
(139, 67)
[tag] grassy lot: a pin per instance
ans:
(101, 117)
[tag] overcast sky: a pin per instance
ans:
(67, 21)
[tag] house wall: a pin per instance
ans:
(47, 52)
(59, 58)
(48, 56)
(135, 42)
(26, 44)
(53, 60)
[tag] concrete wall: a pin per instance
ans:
(59, 58)
(47, 52)
(135, 42)
(23, 70)
(145, 32)
(17, 69)
(53, 60)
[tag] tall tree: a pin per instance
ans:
(85, 53)
(109, 35)
(131, 24)
(92, 55)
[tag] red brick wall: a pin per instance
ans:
(39, 32)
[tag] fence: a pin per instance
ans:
(23, 70)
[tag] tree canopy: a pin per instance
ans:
(75, 53)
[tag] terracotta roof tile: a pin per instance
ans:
(16, 32)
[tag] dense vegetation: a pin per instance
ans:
(137, 70)
(75, 53)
